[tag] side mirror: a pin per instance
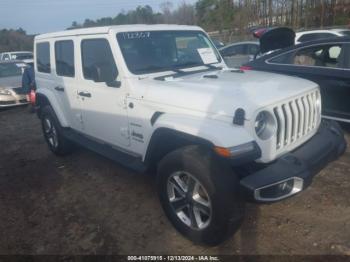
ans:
(105, 73)
(115, 84)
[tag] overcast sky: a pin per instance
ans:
(41, 16)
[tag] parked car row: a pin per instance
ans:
(324, 60)
(239, 53)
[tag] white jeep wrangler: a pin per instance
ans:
(160, 98)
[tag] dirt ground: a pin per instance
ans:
(86, 204)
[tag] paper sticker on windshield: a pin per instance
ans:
(136, 35)
(208, 56)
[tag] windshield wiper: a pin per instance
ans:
(180, 73)
(191, 65)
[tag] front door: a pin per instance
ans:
(103, 104)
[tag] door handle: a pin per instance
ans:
(60, 89)
(84, 94)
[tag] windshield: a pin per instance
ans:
(22, 56)
(9, 69)
(19, 56)
(156, 51)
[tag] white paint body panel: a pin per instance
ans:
(191, 104)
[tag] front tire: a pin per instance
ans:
(53, 133)
(199, 194)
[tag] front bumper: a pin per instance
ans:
(13, 100)
(293, 172)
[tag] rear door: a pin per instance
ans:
(66, 81)
(326, 64)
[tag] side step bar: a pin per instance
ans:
(132, 162)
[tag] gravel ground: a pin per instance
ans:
(86, 204)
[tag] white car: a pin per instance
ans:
(11, 91)
(305, 36)
(24, 56)
(159, 98)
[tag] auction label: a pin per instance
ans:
(208, 56)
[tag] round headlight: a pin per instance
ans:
(265, 125)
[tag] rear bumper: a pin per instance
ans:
(293, 172)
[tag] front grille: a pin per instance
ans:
(296, 118)
(4, 103)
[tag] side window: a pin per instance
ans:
(43, 57)
(325, 35)
(234, 50)
(315, 36)
(331, 56)
(306, 37)
(253, 49)
(64, 53)
(97, 60)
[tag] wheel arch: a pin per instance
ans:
(164, 140)
(46, 98)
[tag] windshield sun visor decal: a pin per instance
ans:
(136, 35)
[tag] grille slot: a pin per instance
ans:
(296, 119)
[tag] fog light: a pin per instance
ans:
(279, 190)
(286, 187)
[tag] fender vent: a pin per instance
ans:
(155, 116)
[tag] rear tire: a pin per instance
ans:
(199, 194)
(53, 133)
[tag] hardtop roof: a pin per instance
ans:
(117, 28)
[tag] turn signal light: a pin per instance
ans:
(222, 151)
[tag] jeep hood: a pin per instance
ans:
(220, 93)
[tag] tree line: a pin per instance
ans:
(236, 15)
(233, 16)
(14, 40)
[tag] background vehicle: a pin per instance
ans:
(160, 97)
(237, 54)
(312, 35)
(11, 91)
(218, 44)
(24, 56)
(326, 62)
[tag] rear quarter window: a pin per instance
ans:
(43, 57)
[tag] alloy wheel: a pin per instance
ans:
(50, 133)
(189, 200)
